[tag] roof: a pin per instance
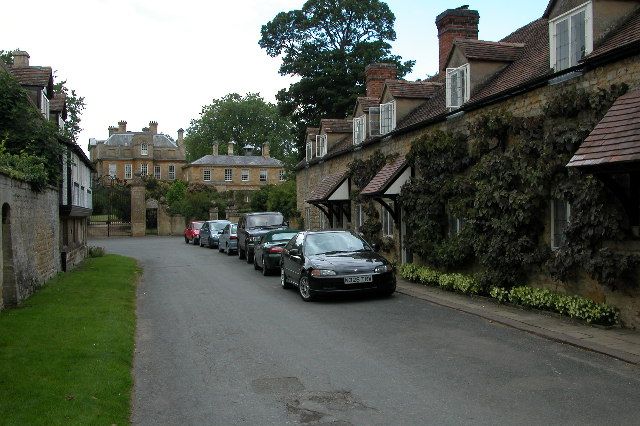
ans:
(616, 138)
(385, 177)
(489, 50)
(33, 76)
(411, 89)
(236, 160)
(367, 103)
(327, 186)
(628, 33)
(59, 104)
(126, 139)
(332, 125)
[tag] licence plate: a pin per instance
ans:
(357, 279)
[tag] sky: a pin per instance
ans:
(163, 60)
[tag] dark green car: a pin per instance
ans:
(267, 251)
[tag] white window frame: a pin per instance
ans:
(387, 221)
(172, 172)
(374, 121)
(244, 175)
(144, 169)
(555, 245)
(264, 175)
(128, 171)
(113, 170)
(359, 129)
(144, 149)
(387, 117)
(588, 33)
(44, 103)
(206, 175)
(228, 175)
(157, 172)
(321, 145)
(461, 74)
(309, 151)
(281, 175)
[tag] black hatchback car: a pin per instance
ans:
(267, 253)
(334, 261)
(252, 226)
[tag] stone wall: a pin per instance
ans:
(169, 224)
(30, 249)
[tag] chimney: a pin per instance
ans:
(153, 127)
(122, 126)
(180, 136)
(230, 147)
(265, 150)
(112, 130)
(20, 58)
(453, 24)
(214, 149)
(375, 75)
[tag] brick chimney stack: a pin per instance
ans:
(230, 147)
(453, 24)
(375, 75)
(214, 149)
(112, 130)
(20, 58)
(265, 150)
(153, 127)
(122, 126)
(180, 136)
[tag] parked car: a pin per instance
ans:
(192, 232)
(252, 226)
(210, 232)
(268, 251)
(334, 262)
(228, 241)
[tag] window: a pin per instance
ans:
(309, 151)
(374, 121)
(560, 214)
(307, 218)
(228, 175)
(458, 86)
(263, 175)
(387, 222)
(112, 170)
(144, 149)
(571, 37)
(359, 129)
(387, 117)
(156, 172)
(172, 172)
(144, 169)
(321, 145)
(206, 175)
(281, 175)
(44, 104)
(244, 175)
(128, 171)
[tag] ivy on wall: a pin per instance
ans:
(499, 177)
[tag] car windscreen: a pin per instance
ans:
(258, 220)
(281, 237)
(197, 225)
(218, 226)
(333, 242)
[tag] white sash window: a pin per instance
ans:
(458, 86)
(387, 117)
(359, 129)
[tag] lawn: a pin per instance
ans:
(66, 353)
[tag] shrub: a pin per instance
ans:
(500, 294)
(95, 251)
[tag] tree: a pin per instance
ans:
(6, 56)
(328, 43)
(246, 120)
(75, 106)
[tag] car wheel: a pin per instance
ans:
(305, 289)
(255, 263)
(283, 279)
(200, 242)
(186, 240)
(387, 293)
(241, 254)
(265, 270)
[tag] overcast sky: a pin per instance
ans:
(162, 60)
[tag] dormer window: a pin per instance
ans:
(374, 121)
(144, 149)
(309, 151)
(359, 129)
(458, 86)
(387, 117)
(44, 104)
(321, 145)
(571, 37)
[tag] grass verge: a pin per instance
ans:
(66, 353)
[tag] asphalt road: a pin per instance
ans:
(217, 343)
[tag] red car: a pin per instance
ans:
(192, 232)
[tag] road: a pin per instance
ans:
(217, 343)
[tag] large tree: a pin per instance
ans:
(246, 120)
(328, 44)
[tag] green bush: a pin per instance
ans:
(429, 276)
(95, 251)
(500, 294)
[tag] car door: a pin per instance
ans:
(204, 234)
(222, 241)
(297, 258)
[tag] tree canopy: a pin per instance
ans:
(246, 120)
(328, 43)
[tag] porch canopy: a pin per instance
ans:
(387, 183)
(612, 152)
(332, 197)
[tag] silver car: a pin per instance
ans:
(228, 240)
(210, 232)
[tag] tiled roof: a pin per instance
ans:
(236, 160)
(332, 125)
(126, 139)
(616, 138)
(367, 103)
(628, 33)
(59, 103)
(384, 177)
(327, 186)
(411, 89)
(489, 50)
(33, 76)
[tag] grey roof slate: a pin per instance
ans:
(236, 160)
(125, 139)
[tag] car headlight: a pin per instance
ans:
(382, 268)
(322, 272)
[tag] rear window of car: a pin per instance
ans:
(197, 225)
(218, 225)
(264, 220)
(285, 236)
(234, 228)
